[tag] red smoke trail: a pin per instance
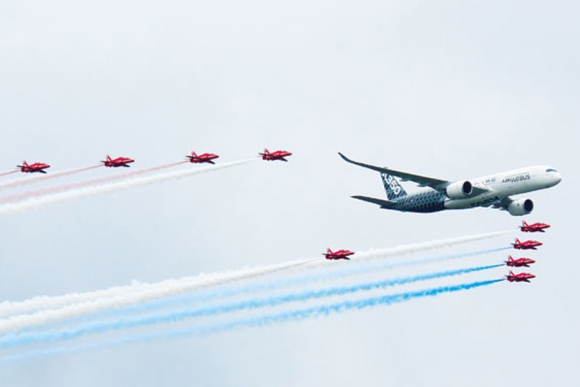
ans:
(100, 180)
(49, 176)
(8, 173)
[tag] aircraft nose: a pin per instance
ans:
(557, 178)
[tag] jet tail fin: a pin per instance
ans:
(392, 186)
(380, 202)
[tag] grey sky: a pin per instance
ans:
(453, 90)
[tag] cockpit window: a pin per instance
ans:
(551, 170)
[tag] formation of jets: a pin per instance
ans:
(525, 245)
(125, 161)
(490, 191)
(511, 261)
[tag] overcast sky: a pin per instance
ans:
(452, 90)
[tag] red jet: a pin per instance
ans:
(519, 262)
(277, 155)
(338, 254)
(203, 158)
(521, 277)
(31, 168)
(526, 245)
(118, 162)
(535, 227)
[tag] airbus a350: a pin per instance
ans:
(493, 191)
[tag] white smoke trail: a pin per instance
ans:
(39, 178)
(40, 201)
(35, 304)
(78, 184)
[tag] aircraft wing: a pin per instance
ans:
(423, 181)
(503, 203)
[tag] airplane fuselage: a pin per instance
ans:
(496, 186)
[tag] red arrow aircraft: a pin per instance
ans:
(526, 245)
(519, 262)
(521, 277)
(31, 168)
(118, 162)
(277, 155)
(203, 158)
(338, 254)
(534, 227)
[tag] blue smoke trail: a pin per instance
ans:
(326, 273)
(17, 339)
(263, 320)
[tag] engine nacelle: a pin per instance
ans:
(520, 207)
(459, 190)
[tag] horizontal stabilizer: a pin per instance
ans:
(380, 202)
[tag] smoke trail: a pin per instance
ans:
(82, 192)
(261, 320)
(428, 245)
(163, 289)
(12, 340)
(39, 178)
(79, 184)
(8, 173)
(44, 302)
(277, 283)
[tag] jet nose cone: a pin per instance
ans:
(557, 178)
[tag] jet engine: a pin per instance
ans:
(459, 190)
(520, 207)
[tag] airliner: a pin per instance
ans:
(493, 191)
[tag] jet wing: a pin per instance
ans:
(503, 203)
(423, 181)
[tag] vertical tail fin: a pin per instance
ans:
(392, 187)
(108, 158)
(524, 223)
